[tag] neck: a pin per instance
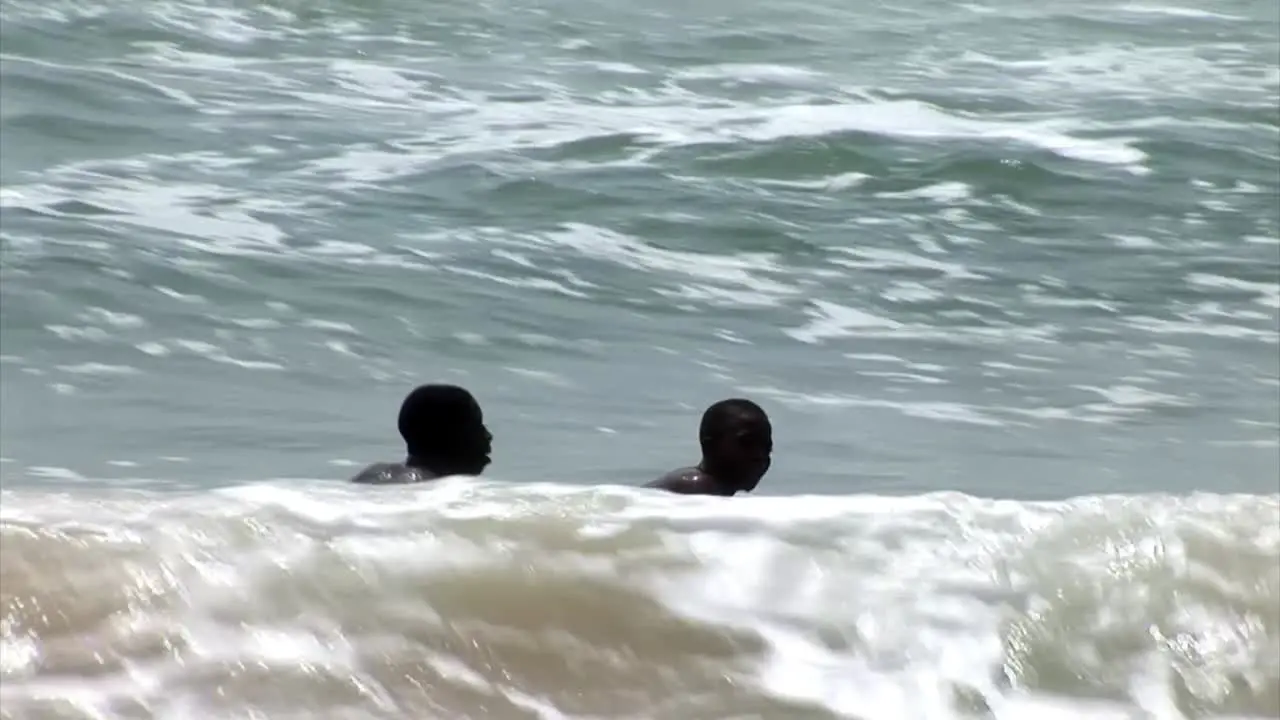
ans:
(430, 464)
(438, 466)
(723, 480)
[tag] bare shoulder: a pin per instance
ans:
(390, 474)
(686, 480)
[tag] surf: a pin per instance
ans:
(471, 598)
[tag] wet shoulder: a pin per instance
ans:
(391, 474)
(681, 480)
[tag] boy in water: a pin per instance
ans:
(737, 441)
(444, 434)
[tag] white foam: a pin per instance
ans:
(750, 271)
(746, 72)
(1178, 11)
(98, 369)
(1268, 292)
(832, 183)
(944, 192)
(938, 577)
(832, 320)
(874, 258)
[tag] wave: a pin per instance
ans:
(478, 599)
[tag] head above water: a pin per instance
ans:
(737, 443)
(444, 431)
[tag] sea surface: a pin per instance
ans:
(1004, 273)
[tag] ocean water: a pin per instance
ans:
(1005, 274)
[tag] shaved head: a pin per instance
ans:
(726, 415)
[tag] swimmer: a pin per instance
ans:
(737, 440)
(444, 434)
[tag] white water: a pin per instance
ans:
(478, 599)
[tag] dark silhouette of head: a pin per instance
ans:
(737, 442)
(444, 431)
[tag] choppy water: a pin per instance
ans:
(487, 601)
(1001, 249)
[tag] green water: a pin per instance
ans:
(1009, 248)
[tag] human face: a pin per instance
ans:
(486, 445)
(744, 452)
(474, 442)
(481, 442)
